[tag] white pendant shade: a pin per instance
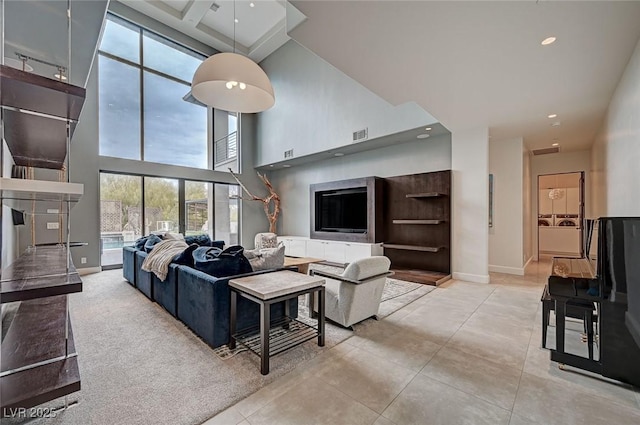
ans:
(233, 83)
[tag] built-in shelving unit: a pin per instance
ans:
(38, 357)
(418, 221)
(418, 243)
(425, 195)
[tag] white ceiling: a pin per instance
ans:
(260, 29)
(476, 64)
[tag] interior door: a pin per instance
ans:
(581, 215)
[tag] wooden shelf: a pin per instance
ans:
(38, 274)
(426, 277)
(35, 386)
(37, 333)
(425, 195)
(418, 221)
(37, 113)
(412, 247)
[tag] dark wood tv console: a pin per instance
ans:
(410, 214)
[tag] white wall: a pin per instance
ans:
(506, 236)
(470, 205)
(292, 184)
(557, 163)
(318, 108)
(616, 151)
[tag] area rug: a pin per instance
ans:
(139, 365)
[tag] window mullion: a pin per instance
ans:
(141, 47)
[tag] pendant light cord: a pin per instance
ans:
(234, 26)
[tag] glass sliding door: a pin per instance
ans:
(197, 207)
(120, 215)
(161, 206)
(226, 213)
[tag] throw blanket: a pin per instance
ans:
(160, 257)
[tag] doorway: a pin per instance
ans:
(560, 214)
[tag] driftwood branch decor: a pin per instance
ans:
(272, 212)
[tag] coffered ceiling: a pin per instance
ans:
(259, 30)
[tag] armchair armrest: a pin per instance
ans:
(344, 279)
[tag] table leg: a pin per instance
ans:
(232, 319)
(312, 314)
(320, 316)
(265, 312)
(287, 316)
(561, 307)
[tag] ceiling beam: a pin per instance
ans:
(195, 11)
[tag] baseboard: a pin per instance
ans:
(519, 271)
(89, 270)
(468, 277)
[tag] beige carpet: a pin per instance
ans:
(139, 365)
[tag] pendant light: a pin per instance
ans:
(232, 82)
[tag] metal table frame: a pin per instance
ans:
(296, 338)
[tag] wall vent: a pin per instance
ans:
(361, 135)
(288, 154)
(546, 151)
(214, 7)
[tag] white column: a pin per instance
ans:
(470, 203)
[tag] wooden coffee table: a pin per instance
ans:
(301, 262)
(265, 290)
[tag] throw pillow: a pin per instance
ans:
(186, 257)
(219, 263)
(152, 240)
(201, 240)
(266, 240)
(266, 258)
(173, 236)
(217, 244)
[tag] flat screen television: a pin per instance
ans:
(342, 210)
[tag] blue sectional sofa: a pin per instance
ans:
(199, 300)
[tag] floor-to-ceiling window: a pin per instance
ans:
(147, 115)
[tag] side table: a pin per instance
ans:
(266, 289)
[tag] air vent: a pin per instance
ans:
(288, 154)
(361, 135)
(214, 7)
(546, 151)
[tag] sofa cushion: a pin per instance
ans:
(186, 257)
(152, 240)
(219, 263)
(265, 258)
(217, 244)
(201, 240)
(139, 243)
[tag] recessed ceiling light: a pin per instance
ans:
(548, 40)
(252, 4)
(428, 128)
(286, 166)
(60, 77)
(555, 144)
(271, 165)
(236, 20)
(338, 154)
(422, 136)
(555, 124)
(552, 115)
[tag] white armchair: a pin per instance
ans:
(355, 294)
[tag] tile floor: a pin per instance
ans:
(464, 354)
